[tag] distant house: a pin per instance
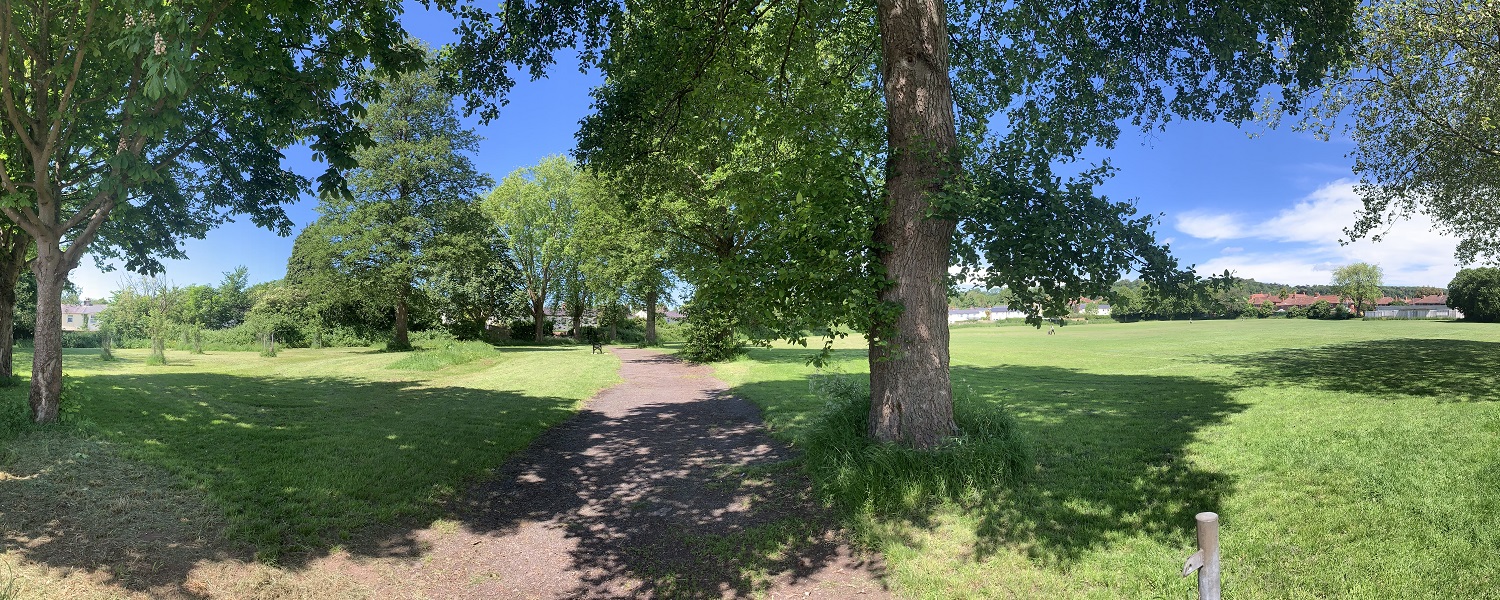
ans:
(81, 317)
(959, 315)
(668, 316)
(993, 313)
(1298, 300)
(1427, 307)
(1081, 306)
(562, 320)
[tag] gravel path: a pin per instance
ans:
(664, 485)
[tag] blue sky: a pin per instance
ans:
(1272, 207)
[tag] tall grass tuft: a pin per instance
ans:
(864, 477)
(446, 355)
(8, 585)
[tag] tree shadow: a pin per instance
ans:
(297, 466)
(1109, 452)
(1111, 458)
(668, 498)
(1448, 370)
(664, 498)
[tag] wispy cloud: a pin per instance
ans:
(1302, 244)
(1210, 226)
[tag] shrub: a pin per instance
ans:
(525, 329)
(446, 354)
(1476, 292)
(1320, 310)
(861, 476)
(711, 337)
(81, 339)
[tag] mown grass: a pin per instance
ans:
(1349, 459)
(307, 450)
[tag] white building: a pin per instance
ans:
(1426, 307)
(993, 313)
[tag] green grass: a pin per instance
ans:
(443, 355)
(310, 449)
(1354, 459)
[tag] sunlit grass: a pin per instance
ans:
(304, 450)
(1347, 459)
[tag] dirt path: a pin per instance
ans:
(664, 485)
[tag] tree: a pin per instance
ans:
(15, 250)
(1036, 82)
(1476, 292)
(1358, 283)
(1425, 120)
(763, 188)
(623, 256)
(476, 281)
(231, 300)
(142, 121)
(145, 307)
(535, 208)
(412, 183)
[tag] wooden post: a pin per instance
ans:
(1206, 560)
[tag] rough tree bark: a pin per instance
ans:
(538, 315)
(401, 340)
(51, 269)
(911, 397)
(651, 318)
(14, 243)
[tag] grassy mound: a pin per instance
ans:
(450, 354)
(865, 477)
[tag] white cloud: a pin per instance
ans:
(1305, 243)
(1204, 225)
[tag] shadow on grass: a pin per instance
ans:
(296, 466)
(670, 483)
(688, 497)
(1458, 370)
(1108, 449)
(1110, 453)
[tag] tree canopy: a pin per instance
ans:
(141, 122)
(536, 208)
(1476, 292)
(1423, 90)
(1359, 283)
(1034, 83)
(411, 186)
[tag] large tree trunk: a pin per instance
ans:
(16, 244)
(538, 315)
(402, 340)
(46, 362)
(651, 318)
(911, 399)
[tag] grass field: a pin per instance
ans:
(285, 457)
(1347, 459)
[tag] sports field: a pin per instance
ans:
(1355, 459)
